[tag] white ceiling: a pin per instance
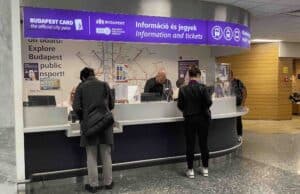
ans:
(269, 18)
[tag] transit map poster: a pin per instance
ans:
(183, 68)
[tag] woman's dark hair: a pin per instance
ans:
(86, 72)
(194, 71)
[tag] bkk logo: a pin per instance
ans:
(106, 31)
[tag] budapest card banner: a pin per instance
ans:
(83, 25)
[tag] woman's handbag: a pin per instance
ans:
(98, 122)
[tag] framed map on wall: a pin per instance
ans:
(184, 66)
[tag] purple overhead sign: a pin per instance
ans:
(83, 25)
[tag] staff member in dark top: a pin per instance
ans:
(160, 84)
(194, 101)
(91, 94)
(239, 90)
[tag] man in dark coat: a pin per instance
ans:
(194, 101)
(91, 94)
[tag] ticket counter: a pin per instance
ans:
(145, 133)
(123, 42)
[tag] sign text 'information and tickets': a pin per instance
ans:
(84, 25)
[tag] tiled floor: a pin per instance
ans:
(266, 163)
(271, 127)
(277, 150)
(227, 175)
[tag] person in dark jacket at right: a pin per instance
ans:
(194, 101)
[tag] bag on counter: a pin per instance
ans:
(98, 122)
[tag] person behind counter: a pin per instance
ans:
(93, 100)
(194, 101)
(160, 84)
(239, 90)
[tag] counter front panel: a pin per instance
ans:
(144, 133)
(54, 151)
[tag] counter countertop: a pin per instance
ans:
(73, 129)
(240, 112)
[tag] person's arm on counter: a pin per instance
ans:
(180, 102)
(77, 105)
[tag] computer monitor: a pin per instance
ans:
(41, 101)
(146, 97)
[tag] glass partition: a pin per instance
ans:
(222, 86)
(52, 70)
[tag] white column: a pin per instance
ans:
(18, 88)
